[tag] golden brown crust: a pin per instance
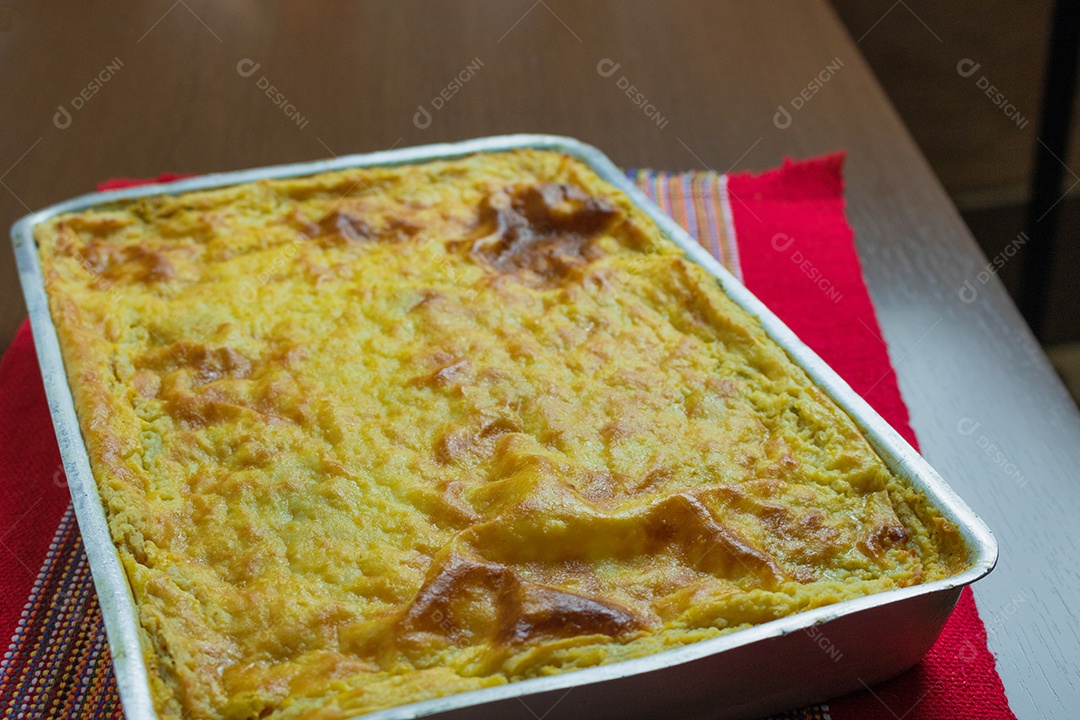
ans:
(379, 435)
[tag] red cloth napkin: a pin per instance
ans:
(797, 255)
(121, 183)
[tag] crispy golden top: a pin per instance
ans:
(375, 436)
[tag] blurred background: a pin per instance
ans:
(979, 132)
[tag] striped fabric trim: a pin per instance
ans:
(58, 664)
(698, 201)
(728, 225)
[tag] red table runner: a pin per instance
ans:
(783, 232)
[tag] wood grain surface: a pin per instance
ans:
(349, 77)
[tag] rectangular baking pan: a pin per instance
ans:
(805, 658)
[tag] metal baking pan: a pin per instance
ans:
(804, 658)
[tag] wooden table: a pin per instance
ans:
(183, 86)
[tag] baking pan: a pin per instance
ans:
(804, 658)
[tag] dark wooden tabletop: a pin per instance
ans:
(94, 90)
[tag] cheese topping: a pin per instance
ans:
(379, 435)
